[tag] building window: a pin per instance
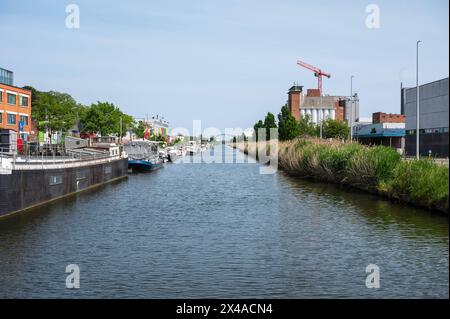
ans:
(1, 96)
(24, 120)
(1, 117)
(6, 77)
(11, 99)
(56, 180)
(23, 100)
(11, 119)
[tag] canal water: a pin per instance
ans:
(223, 231)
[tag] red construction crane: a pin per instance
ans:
(317, 72)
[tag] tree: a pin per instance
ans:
(269, 122)
(139, 129)
(54, 110)
(306, 127)
(257, 126)
(288, 127)
(335, 129)
(105, 118)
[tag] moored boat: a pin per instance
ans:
(28, 180)
(144, 165)
(143, 156)
(192, 148)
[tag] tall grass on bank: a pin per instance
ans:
(422, 182)
(376, 169)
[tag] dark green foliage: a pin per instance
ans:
(58, 110)
(256, 127)
(335, 129)
(269, 123)
(420, 181)
(139, 129)
(306, 127)
(288, 127)
(105, 118)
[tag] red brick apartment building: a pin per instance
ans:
(15, 106)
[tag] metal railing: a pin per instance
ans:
(53, 156)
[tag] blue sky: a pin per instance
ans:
(226, 63)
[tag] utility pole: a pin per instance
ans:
(351, 107)
(418, 103)
(120, 130)
(320, 115)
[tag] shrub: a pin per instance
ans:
(376, 168)
(422, 182)
(371, 166)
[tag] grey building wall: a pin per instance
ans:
(434, 107)
(434, 118)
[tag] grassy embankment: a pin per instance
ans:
(377, 169)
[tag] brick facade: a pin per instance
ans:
(313, 92)
(340, 111)
(15, 102)
(294, 101)
(381, 117)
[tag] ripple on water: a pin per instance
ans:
(222, 230)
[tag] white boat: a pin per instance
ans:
(192, 148)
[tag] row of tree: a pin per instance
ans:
(57, 111)
(289, 128)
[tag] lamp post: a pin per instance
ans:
(320, 112)
(417, 103)
(351, 107)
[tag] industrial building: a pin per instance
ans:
(320, 108)
(385, 129)
(434, 118)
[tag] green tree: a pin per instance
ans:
(269, 122)
(335, 129)
(105, 118)
(257, 126)
(288, 127)
(307, 127)
(139, 129)
(58, 110)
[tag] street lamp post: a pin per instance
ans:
(320, 115)
(417, 103)
(351, 107)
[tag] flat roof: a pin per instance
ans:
(16, 87)
(6, 70)
(413, 87)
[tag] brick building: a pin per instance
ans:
(385, 129)
(318, 108)
(380, 117)
(15, 106)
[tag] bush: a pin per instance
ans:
(378, 168)
(371, 166)
(422, 182)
